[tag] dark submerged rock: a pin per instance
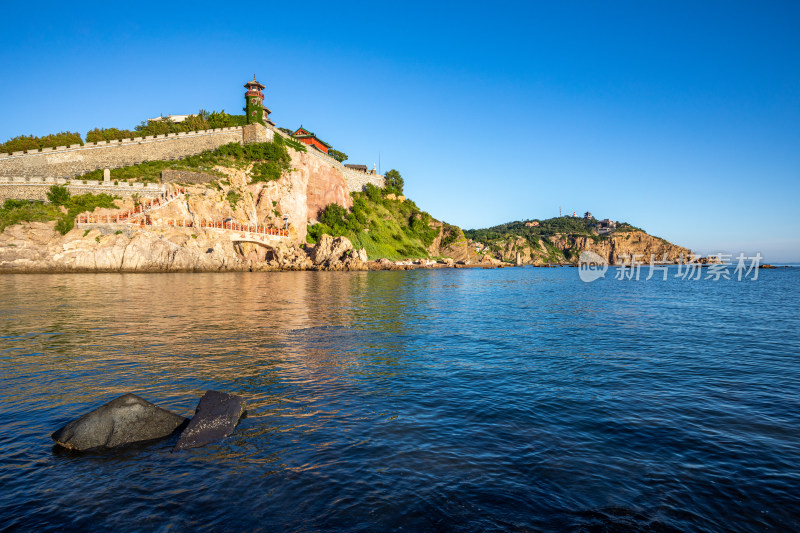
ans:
(125, 420)
(216, 417)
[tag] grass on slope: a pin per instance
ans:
(17, 211)
(269, 160)
(385, 228)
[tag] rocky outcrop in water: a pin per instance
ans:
(125, 420)
(215, 418)
(337, 253)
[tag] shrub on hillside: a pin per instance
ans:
(394, 182)
(29, 142)
(221, 119)
(110, 134)
(58, 195)
(17, 211)
(337, 155)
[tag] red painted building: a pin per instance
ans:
(307, 137)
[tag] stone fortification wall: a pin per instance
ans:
(71, 161)
(357, 180)
(37, 188)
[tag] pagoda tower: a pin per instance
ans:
(254, 103)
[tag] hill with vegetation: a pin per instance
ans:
(386, 224)
(562, 239)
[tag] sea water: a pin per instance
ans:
(463, 399)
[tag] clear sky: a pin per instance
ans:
(682, 118)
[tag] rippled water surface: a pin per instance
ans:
(514, 399)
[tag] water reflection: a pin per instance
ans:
(488, 399)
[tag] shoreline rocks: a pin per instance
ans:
(37, 248)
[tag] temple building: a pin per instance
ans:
(307, 137)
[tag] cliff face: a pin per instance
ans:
(298, 194)
(451, 242)
(620, 247)
(615, 248)
(325, 183)
(37, 247)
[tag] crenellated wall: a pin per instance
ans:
(75, 160)
(357, 180)
(28, 175)
(20, 188)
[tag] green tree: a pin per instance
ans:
(58, 195)
(394, 182)
(337, 155)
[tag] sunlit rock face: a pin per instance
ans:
(125, 420)
(215, 418)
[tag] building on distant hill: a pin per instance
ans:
(173, 118)
(362, 168)
(587, 215)
(308, 137)
(606, 226)
(532, 224)
(606, 223)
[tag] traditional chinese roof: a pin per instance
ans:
(254, 83)
(357, 167)
(307, 135)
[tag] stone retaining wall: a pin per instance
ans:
(357, 180)
(20, 170)
(75, 160)
(37, 188)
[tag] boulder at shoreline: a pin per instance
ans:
(125, 420)
(215, 418)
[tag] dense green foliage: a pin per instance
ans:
(78, 204)
(58, 195)
(203, 120)
(270, 161)
(496, 236)
(548, 227)
(450, 234)
(337, 155)
(297, 145)
(385, 228)
(16, 211)
(221, 119)
(394, 182)
(29, 142)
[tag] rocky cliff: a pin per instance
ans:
(298, 194)
(565, 248)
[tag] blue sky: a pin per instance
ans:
(682, 118)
